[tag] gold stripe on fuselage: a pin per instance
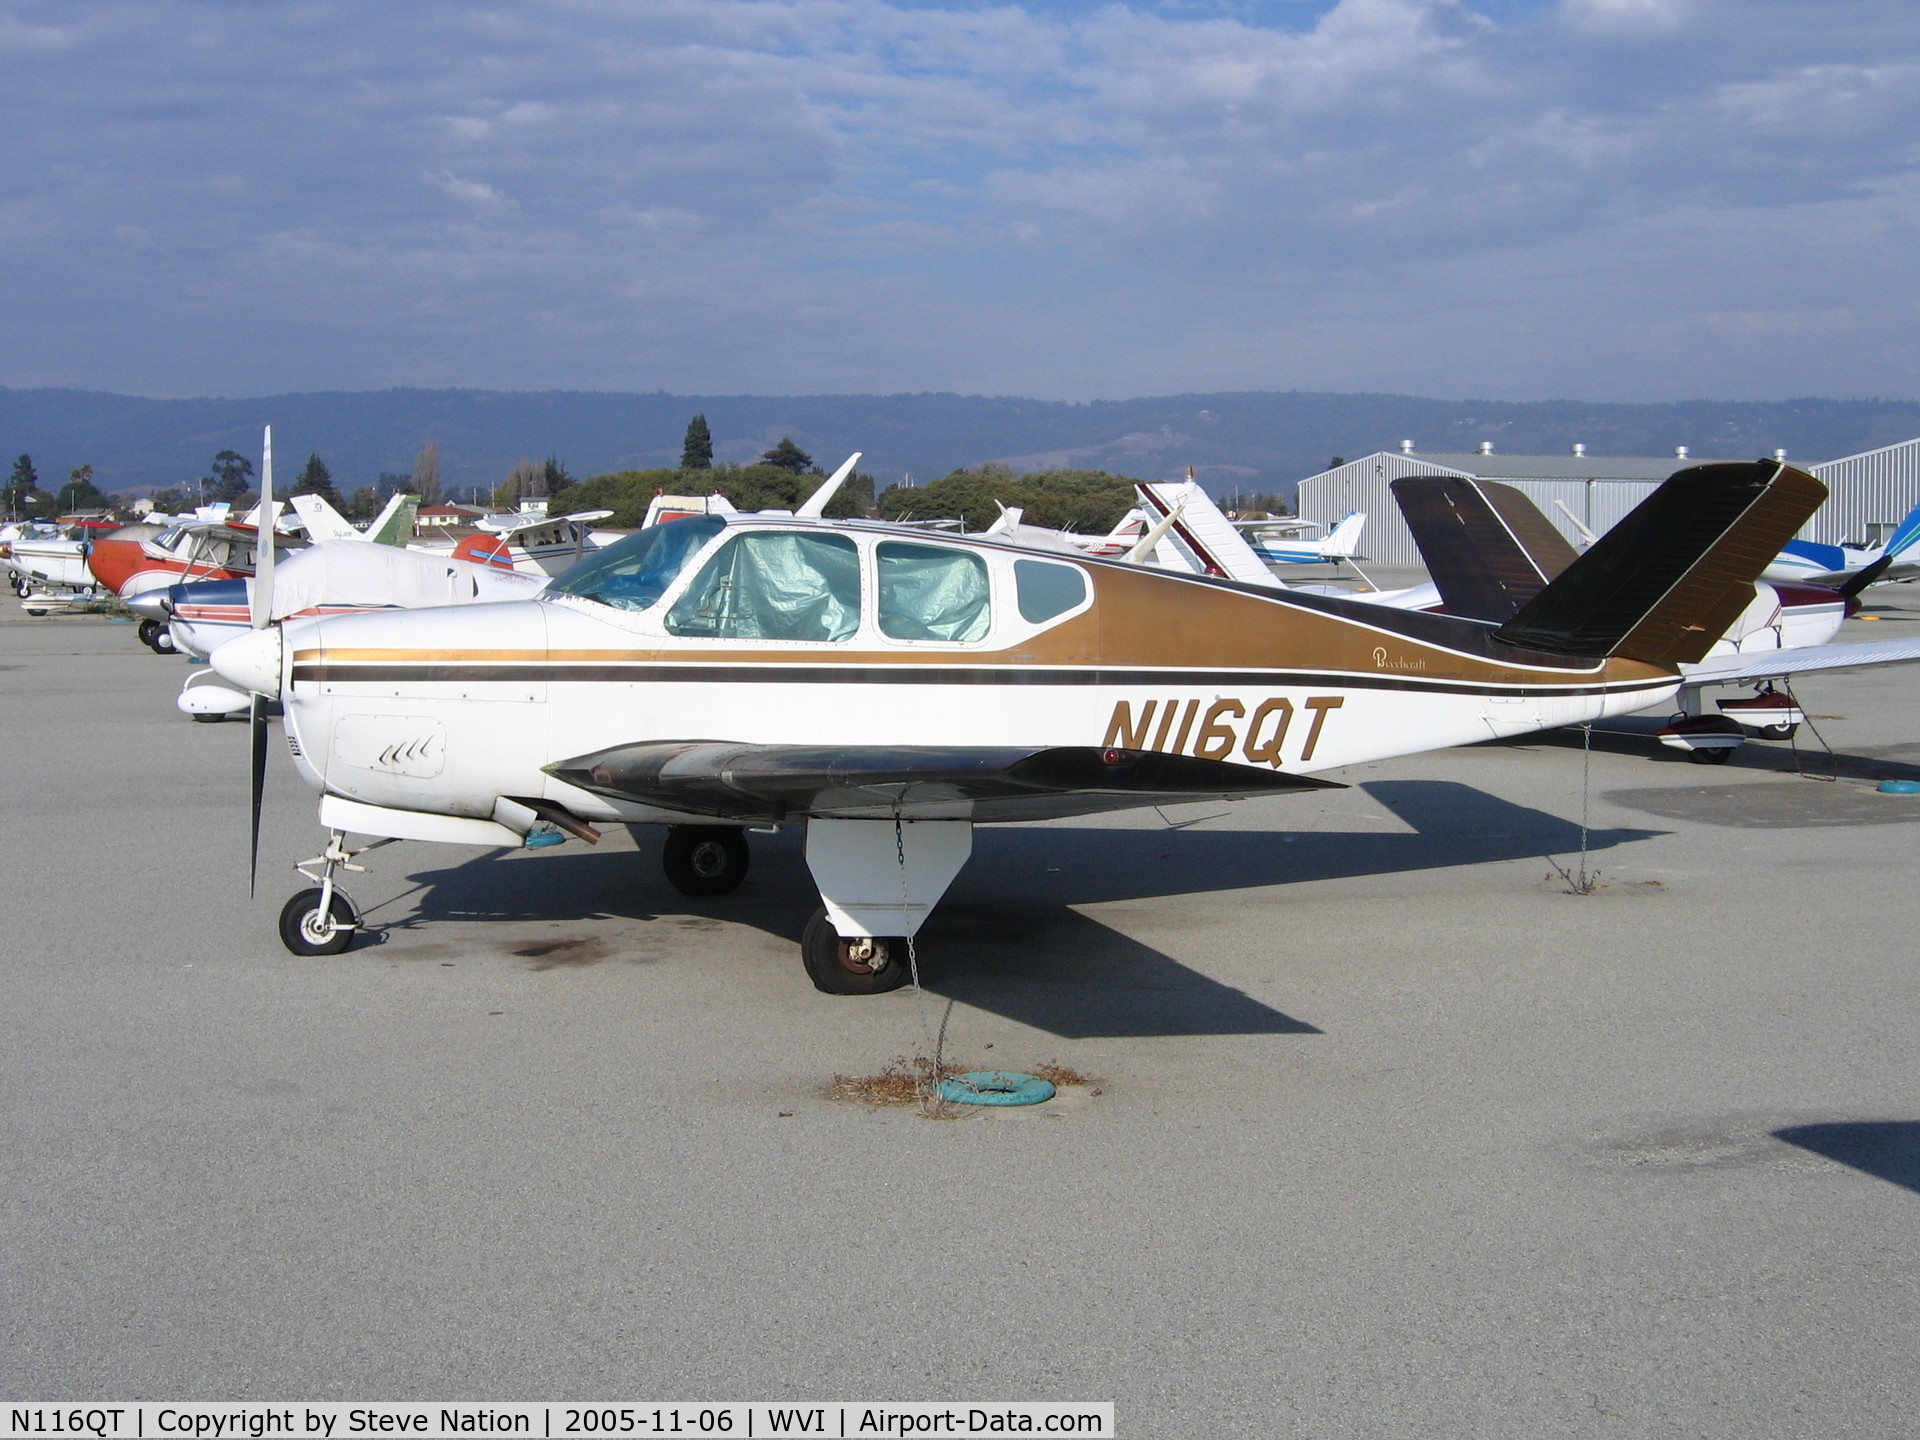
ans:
(1136, 623)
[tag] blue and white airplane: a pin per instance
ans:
(1340, 543)
(1833, 564)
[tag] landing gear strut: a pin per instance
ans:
(322, 921)
(705, 859)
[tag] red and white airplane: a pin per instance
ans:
(532, 544)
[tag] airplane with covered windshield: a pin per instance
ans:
(890, 691)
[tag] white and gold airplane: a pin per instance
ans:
(890, 690)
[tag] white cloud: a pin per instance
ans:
(809, 194)
(474, 192)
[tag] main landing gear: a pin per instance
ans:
(862, 965)
(322, 921)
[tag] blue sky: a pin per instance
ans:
(1604, 199)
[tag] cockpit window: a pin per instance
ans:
(928, 592)
(772, 585)
(1046, 590)
(633, 573)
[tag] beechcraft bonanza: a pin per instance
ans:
(890, 691)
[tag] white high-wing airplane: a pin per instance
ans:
(891, 691)
(1272, 542)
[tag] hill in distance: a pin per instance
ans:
(1245, 440)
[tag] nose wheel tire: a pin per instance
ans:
(305, 931)
(705, 859)
(869, 966)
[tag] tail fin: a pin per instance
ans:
(1908, 532)
(1667, 581)
(1487, 546)
(394, 525)
(1204, 532)
(323, 522)
(1343, 542)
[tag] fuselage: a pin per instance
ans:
(927, 642)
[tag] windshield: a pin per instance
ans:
(633, 573)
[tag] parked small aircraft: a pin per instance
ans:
(534, 544)
(892, 691)
(333, 577)
(43, 558)
(1272, 542)
(1806, 560)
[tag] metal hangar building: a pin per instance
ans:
(1872, 491)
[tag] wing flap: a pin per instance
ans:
(775, 783)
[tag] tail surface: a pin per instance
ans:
(1667, 581)
(1908, 532)
(394, 525)
(1487, 546)
(323, 522)
(1343, 542)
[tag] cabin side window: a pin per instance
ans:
(928, 592)
(1047, 590)
(774, 585)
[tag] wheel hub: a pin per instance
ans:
(709, 859)
(865, 956)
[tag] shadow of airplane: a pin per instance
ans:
(1007, 938)
(1886, 1149)
(1639, 735)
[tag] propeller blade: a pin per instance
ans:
(1867, 576)
(257, 718)
(261, 609)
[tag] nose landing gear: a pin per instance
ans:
(322, 921)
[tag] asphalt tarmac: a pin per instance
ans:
(1393, 1135)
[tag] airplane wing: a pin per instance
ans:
(1762, 665)
(774, 783)
(514, 524)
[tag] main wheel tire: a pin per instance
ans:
(1778, 732)
(705, 859)
(834, 968)
(1711, 754)
(303, 929)
(202, 717)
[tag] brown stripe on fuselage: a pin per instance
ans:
(1141, 620)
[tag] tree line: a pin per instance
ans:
(1087, 501)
